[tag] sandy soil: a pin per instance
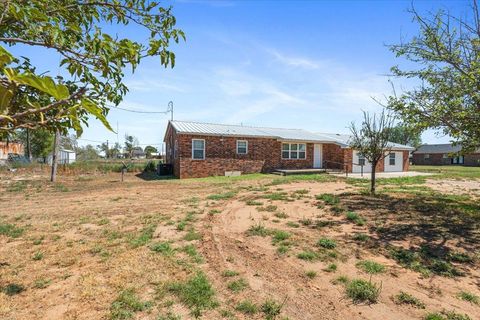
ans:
(84, 231)
(471, 187)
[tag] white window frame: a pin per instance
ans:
(426, 156)
(390, 159)
(361, 158)
(290, 151)
(246, 146)
(193, 153)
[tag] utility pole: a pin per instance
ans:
(56, 142)
(170, 108)
(106, 152)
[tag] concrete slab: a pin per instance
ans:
(383, 174)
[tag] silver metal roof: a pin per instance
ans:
(201, 128)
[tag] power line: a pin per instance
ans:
(137, 111)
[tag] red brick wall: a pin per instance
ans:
(264, 155)
(472, 159)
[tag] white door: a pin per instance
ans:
(394, 162)
(317, 156)
(357, 161)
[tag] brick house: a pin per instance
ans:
(444, 154)
(203, 149)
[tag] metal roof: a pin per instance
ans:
(201, 128)
(439, 148)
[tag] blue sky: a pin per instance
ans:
(294, 64)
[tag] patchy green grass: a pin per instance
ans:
(192, 235)
(424, 261)
(408, 299)
(449, 172)
(468, 296)
(280, 235)
(361, 237)
(446, 315)
(268, 208)
(230, 273)
(328, 198)
(196, 293)
(251, 202)
(302, 177)
(126, 305)
(281, 215)
(355, 218)
(326, 243)
(222, 196)
(237, 285)
(307, 255)
(11, 230)
(271, 309)
(332, 267)
(310, 274)
(192, 252)
(163, 247)
(276, 196)
(145, 235)
(360, 290)
(247, 307)
(258, 230)
(370, 267)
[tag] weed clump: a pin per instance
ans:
(360, 290)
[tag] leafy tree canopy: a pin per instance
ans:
(446, 59)
(41, 142)
(92, 59)
(406, 135)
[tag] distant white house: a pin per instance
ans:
(65, 156)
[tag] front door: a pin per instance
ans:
(317, 156)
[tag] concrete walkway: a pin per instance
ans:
(366, 175)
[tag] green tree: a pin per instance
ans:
(92, 59)
(86, 153)
(406, 135)
(131, 143)
(41, 142)
(149, 150)
(446, 62)
(110, 151)
(373, 140)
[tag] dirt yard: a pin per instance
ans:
(259, 247)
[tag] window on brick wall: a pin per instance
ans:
(242, 146)
(198, 149)
(426, 156)
(294, 151)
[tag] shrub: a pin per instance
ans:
(370, 267)
(280, 235)
(150, 167)
(355, 217)
(332, 267)
(363, 291)
(326, 243)
(405, 298)
(251, 202)
(12, 289)
(360, 237)
(247, 307)
(446, 315)
(311, 274)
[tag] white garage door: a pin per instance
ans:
(357, 160)
(394, 162)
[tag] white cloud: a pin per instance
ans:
(300, 62)
(149, 85)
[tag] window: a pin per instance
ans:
(294, 151)
(391, 159)
(445, 156)
(242, 146)
(361, 159)
(198, 149)
(426, 156)
(460, 160)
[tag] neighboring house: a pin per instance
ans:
(203, 149)
(138, 153)
(444, 154)
(10, 148)
(65, 156)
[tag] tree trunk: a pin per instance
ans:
(56, 142)
(29, 146)
(372, 180)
